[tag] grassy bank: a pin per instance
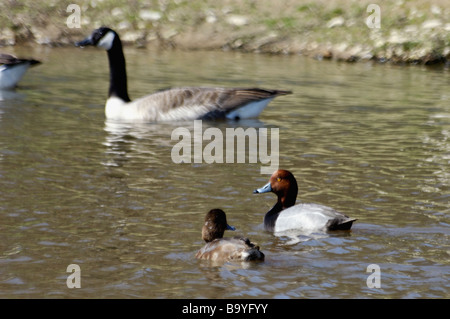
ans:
(410, 31)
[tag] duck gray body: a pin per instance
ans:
(230, 249)
(286, 215)
(222, 249)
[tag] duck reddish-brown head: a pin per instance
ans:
(284, 185)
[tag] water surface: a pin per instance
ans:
(371, 141)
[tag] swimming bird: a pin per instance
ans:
(285, 215)
(218, 248)
(175, 104)
(12, 69)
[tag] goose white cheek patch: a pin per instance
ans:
(106, 41)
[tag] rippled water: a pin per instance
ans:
(371, 141)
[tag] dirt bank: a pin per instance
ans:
(396, 31)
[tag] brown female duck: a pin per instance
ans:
(218, 248)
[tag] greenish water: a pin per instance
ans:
(371, 141)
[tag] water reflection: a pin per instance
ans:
(124, 140)
(10, 95)
(438, 182)
(145, 139)
(293, 237)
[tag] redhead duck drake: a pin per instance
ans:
(285, 215)
(218, 248)
(176, 104)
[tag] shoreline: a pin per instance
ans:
(408, 33)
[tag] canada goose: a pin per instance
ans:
(188, 103)
(12, 69)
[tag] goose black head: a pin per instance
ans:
(102, 37)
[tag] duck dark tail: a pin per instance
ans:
(339, 224)
(255, 254)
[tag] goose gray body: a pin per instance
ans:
(12, 69)
(175, 104)
(191, 103)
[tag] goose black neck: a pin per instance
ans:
(118, 72)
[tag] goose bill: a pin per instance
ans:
(85, 42)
